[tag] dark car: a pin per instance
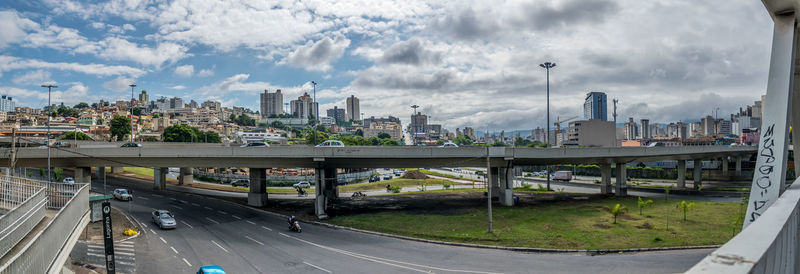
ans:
(241, 183)
(133, 144)
(387, 176)
(374, 178)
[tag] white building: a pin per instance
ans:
(353, 109)
(6, 104)
(271, 103)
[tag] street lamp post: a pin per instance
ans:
(547, 66)
(316, 111)
(132, 86)
(49, 112)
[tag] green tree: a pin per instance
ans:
(462, 140)
(384, 135)
(94, 105)
(616, 211)
(353, 140)
(156, 115)
(499, 144)
(360, 132)
(277, 124)
(182, 133)
(100, 121)
(642, 204)
(232, 118)
(65, 111)
(81, 105)
(137, 111)
(120, 126)
(685, 207)
(315, 139)
(519, 142)
(389, 142)
(245, 120)
(439, 142)
(72, 136)
(150, 139)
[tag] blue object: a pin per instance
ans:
(211, 269)
(516, 200)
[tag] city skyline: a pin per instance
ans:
(413, 53)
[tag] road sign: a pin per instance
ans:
(108, 238)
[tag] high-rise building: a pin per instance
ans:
(6, 104)
(271, 103)
(176, 102)
(434, 131)
(469, 132)
(595, 106)
(370, 120)
(304, 107)
(192, 104)
(353, 109)
(337, 114)
(709, 126)
(631, 129)
(645, 129)
(419, 126)
(592, 133)
(144, 98)
(724, 127)
(215, 105)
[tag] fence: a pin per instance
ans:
(40, 253)
(25, 202)
(768, 245)
(341, 178)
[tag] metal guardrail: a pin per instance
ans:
(40, 253)
(769, 245)
(25, 201)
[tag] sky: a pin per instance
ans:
(465, 63)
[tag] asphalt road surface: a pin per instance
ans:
(247, 240)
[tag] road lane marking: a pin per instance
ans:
(187, 224)
(250, 222)
(395, 263)
(267, 228)
(158, 195)
(162, 239)
(96, 255)
(317, 267)
(223, 249)
(125, 263)
(185, 202)
(207, 218)
(176, 207)
(195, 204)
(222, 212)
(173, 250)
(154, 232)
(187, 262)
(144, 225)
(208, 208)
(173, 199)
(237, 217)
(123, 253)
(254, 240)
(143, 198)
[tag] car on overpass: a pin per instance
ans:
(132, 144)
(122, 194)
(331, 143)
(449, 144)
(374, 178)
(164, 219)
(256, 144)
(387, 176)
(69, 180)
(211, 269)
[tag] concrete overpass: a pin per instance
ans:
(325, 161)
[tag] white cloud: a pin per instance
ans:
(33, 77)
(119, 84)
(184, 71)
(205, 73)
(120, 49)
(8, 63)
(178, 87)
(318, 55)
(13, 28)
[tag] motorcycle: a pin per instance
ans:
(295, 226)
(301, 192)
(358, 194)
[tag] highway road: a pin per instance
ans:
(247, 240)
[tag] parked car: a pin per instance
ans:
(211, 269)
(302, 184)
(241, 182)
(387, 177)
(122, 194)
(449, 144)
(256, 144)
(374, 178)
(62, 144)
(397, 172)
(562, 175)
(331, 143)
(134, 144)
(164, 219)
(68, 180)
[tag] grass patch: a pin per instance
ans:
(394, 182)
(445, 175)
(139, 170)
(569, 224)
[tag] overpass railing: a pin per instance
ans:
(25, 202)
(48, 248)
(769, 245)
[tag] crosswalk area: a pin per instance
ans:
(124, 256)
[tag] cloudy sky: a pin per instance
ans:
(466, 63)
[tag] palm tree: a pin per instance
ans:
(617, 210)
(685, 207)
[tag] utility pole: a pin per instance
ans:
(13, 159)
(547, 66)
(316, 109)
(489, 187)
(615, 112)
(132, 86)
(49, 112)
(414, 133)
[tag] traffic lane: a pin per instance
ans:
(468, 257)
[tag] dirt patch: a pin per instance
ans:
(626, 217)
(94, 231)
(646, 225)
(603, 226)
(414, 174)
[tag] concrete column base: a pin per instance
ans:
(697, 173)
(116, 169)
(605, 179)
(739, 165)
(257, 199)
(321, 201)
(83, 175)
(506, 187)
(621, 189)
(258, 187)
(160, 178)
(725, 166)
(186, 176)
(100, 172)
(682, 174)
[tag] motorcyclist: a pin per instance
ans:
(388, 187)
(291, 220)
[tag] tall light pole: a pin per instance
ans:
(49, 112)
(132, 86)
(316, 110)
(414, 133)
(547, 66)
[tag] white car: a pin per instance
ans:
(449, 144)
(256, 144)
(331, 143)
(68, 180)
(122, 194)
(302, 184)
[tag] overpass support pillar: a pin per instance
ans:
(83, 175)
(725, 166)
(739, 166)
(325, 190)
(258, 187)
(622, 179)
(681, 173)
(160, 178)
(503, 185)
(187, 177)
(605, 179)
(100, 172)
(697, 173)
(116, 169)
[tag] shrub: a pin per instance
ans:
(642, 204)
(616, 211)
(446, 185)
(685, 207)
(395, 189)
